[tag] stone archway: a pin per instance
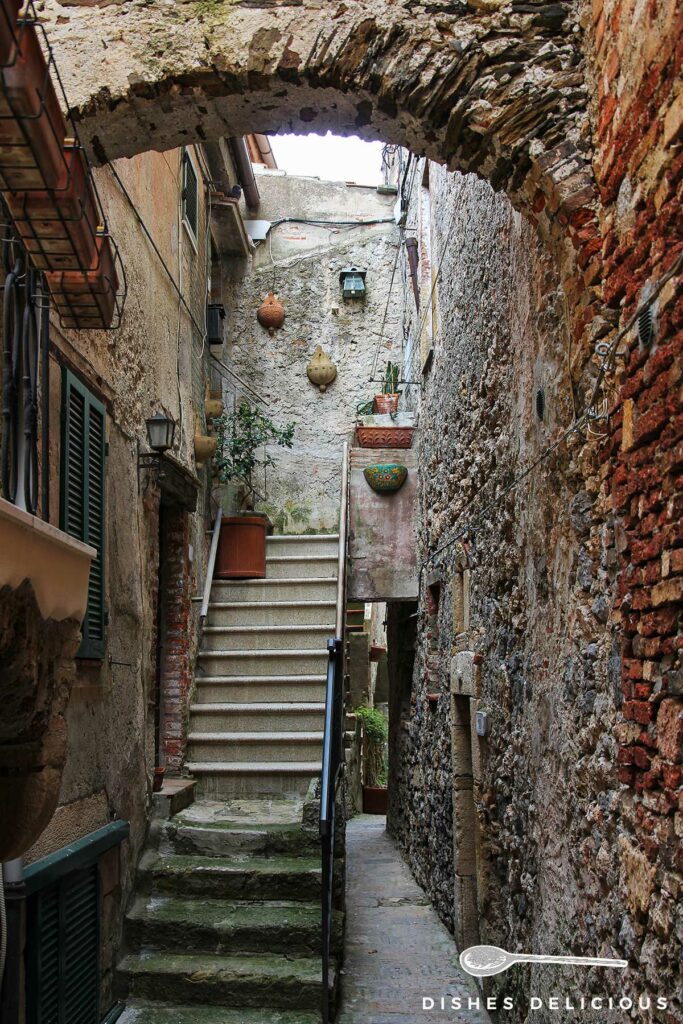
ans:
(485, 86)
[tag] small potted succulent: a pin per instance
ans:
(242, 541)
(387, 402)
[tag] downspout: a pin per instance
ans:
(245, 172)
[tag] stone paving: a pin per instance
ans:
(397, 949)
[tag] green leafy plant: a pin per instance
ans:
(390, 383)
(375, 729)
(240, 435)
(282, 516)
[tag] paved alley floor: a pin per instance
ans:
(397, 949)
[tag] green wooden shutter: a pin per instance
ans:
(82, 514)
(62, 951)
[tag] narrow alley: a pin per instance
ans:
(400, 959)
(341, 512)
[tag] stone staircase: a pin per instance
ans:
(226, 923)
(256, 724)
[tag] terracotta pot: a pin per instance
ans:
(213, 407)
(158, 779)
(242, 548)
(385, 437)
(376, 652)
(87, 299)
(385, 404)
(375, 800)
(271, 313)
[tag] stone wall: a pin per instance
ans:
(303, 487)
(529, 861)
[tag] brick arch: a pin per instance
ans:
(493, 87)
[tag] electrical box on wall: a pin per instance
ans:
(481, 722)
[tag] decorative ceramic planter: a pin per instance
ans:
(386, 477)
(241, 551)
(321, 370)
(385, 437)
(213, 406)
(271, 313)
(384, 404)
(375, 800)
(204, 447)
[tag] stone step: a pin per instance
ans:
(274, 662)
(258, 717)
(255, 746)
(190, 839)
(301, 566)
(236, 981)
(223, 926)
(281, 637)
(223, 780)
(275, 613)
(315, 588)
(303, 544)
(246, 689)
(143, 1012)
(246, 877)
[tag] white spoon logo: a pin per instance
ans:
(485, 961)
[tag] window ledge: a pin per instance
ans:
(57, 565)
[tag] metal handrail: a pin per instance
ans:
(333, 742)
(206, 597)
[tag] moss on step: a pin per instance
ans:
(250, 981)
(160, 1013)
(246, 878)
(222, 926)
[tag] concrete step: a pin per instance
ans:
(276, 613)
(258, 717)
(247, 877)
(274, 662)
(303, 544)
(229, 779)
(255, 746)
(139, 1011)
(300, 566)
(283, 637)
(247, 689)
(273, 981)
(223, 926)
(314, 588)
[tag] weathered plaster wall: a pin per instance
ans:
(303, 488)
(154, 360)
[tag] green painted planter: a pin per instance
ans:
(386, 477)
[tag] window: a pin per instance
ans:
(82, 497)
(62, 951)
(190, 196)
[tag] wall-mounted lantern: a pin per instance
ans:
(160, 431)
(215, 315)
(352, 282)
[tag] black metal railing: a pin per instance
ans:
(333, 748)
(24, 358)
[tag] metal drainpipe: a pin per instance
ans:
(245, 172)
(15, 899)
(411, 248)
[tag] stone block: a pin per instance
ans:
(670, 730)
(464, 674)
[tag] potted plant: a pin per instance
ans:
(242, 541)
(375, 791)
(387, 402)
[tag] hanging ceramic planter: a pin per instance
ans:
(271, 313)
(386, 477)
(321, 370)
(204, 446)
(213, 405)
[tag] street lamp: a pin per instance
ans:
(352, 282)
